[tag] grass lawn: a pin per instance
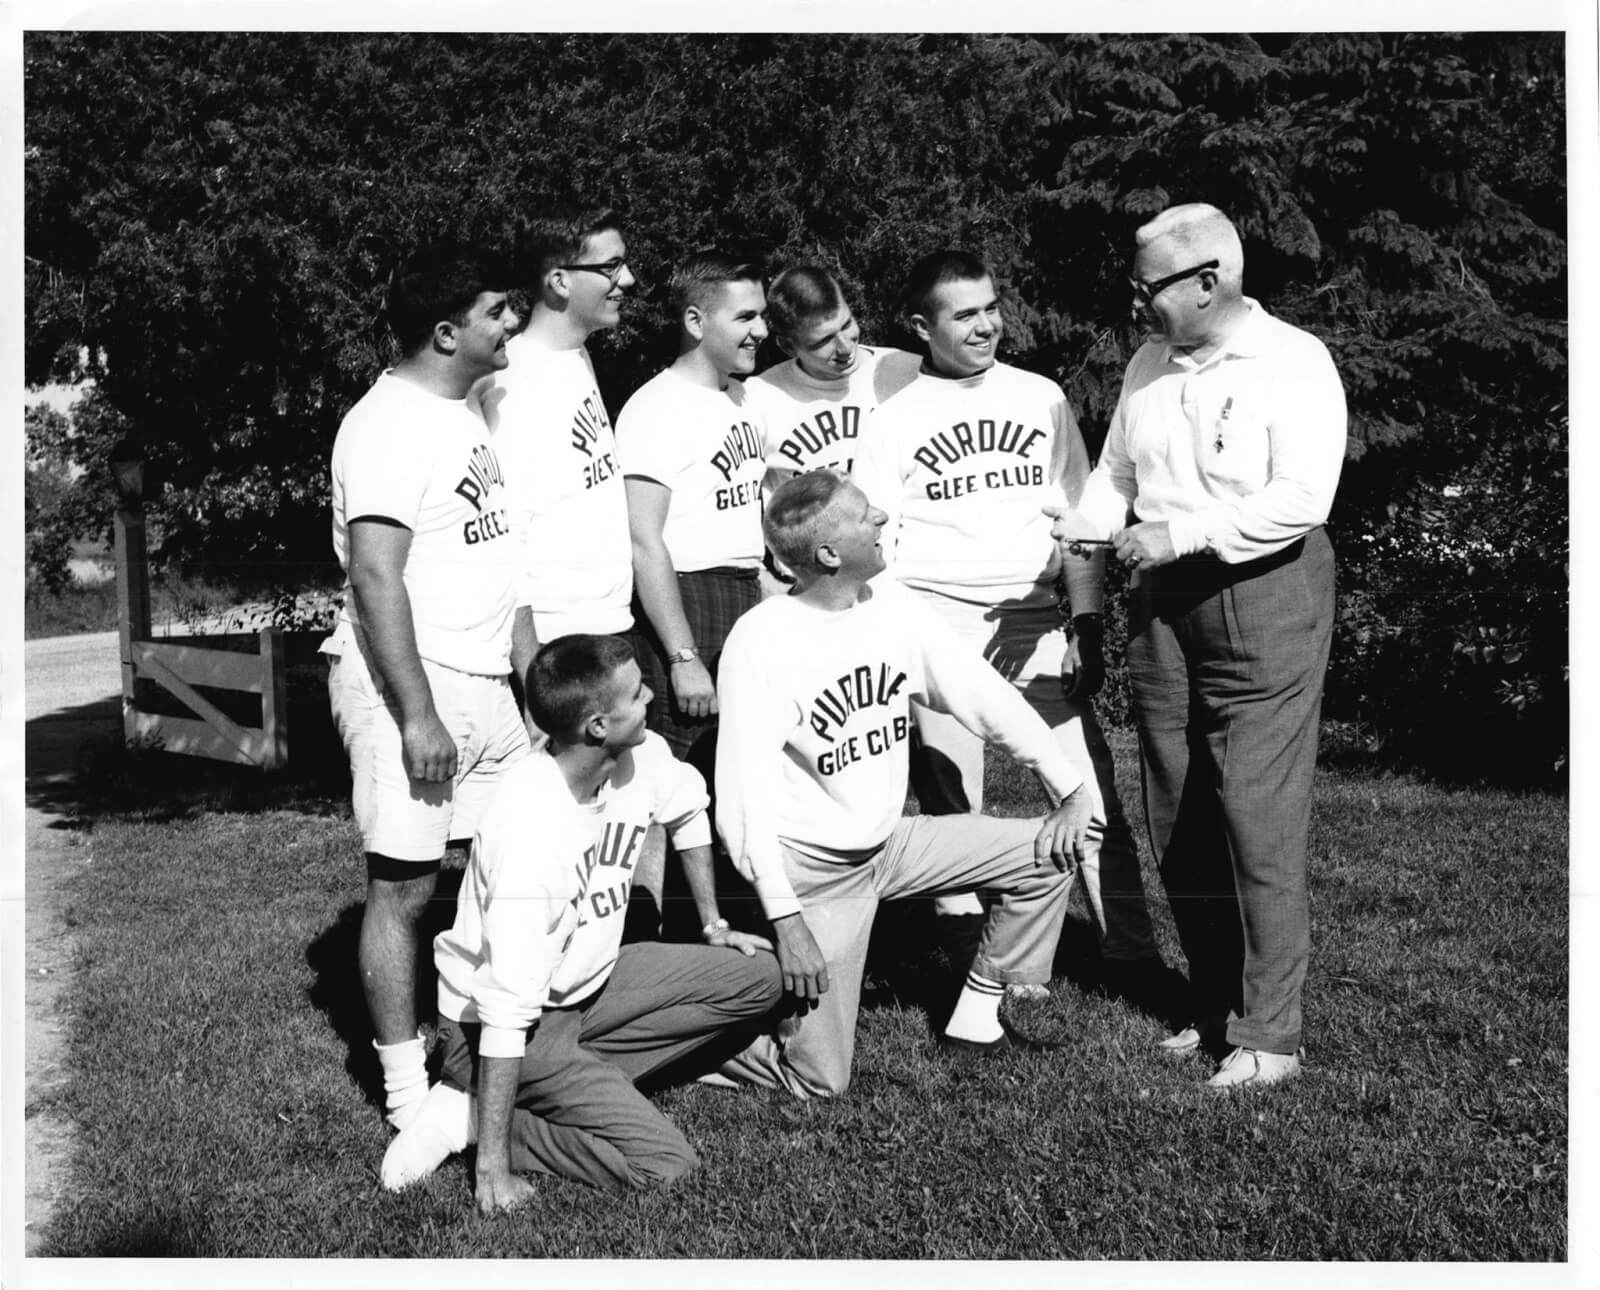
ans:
(225, 1089)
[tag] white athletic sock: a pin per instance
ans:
(446, 1122)
(977, 1014)
(405, 1079)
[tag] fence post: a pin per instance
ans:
(274, 709)
(133, 597)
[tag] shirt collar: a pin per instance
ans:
(1245, 341)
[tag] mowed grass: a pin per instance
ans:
(225, 1090)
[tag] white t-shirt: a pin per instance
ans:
(568, 501)
(705, 446)
(963, 467)
(815, 722)
(545, 894)
(812, 424)
(426, 462)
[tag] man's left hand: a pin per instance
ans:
(747, 943)
(1144, 546)
(1083, 670)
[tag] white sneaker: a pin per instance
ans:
(1252, 1068)
(446, 1123)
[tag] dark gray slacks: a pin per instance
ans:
(577, 1113)
(1226, 664)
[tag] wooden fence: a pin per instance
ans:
(183, 669)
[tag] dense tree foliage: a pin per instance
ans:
(211, 220)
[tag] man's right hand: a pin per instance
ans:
(805, 971)
(499, 1189)
(1069, 526)
(429, 749)
(693, 689)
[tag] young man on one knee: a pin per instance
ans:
(544, 1014)
(419, 677)
(816, 691)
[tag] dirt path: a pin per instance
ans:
(73, 685)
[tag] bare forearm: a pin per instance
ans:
(383, 608)
(497, 1094)
(697, 868)
(656, 581)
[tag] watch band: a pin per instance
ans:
(682, 655)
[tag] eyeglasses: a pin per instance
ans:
(612, 269)
(1145, 292)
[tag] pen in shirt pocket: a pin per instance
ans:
(1222, 421)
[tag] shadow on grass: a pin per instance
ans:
(335, 990)
(78, 765)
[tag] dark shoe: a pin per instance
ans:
(1011, 1040)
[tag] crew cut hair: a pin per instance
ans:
(799, 296)
(439, 283)
(547, 241)
(793, 524)
(697, 279)
(932, 271)
(569, 679)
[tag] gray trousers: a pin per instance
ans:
(1025, 645)
(577, 1113)
(924, 856)
(1227, 664)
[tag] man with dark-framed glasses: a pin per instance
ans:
(553, 433)
(1226, 447)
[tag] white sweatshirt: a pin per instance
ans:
(963, 466)
(540, 914)
(815, 718)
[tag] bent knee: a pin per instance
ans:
(663, 1167)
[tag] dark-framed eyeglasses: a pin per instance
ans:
(612, 268)
(1145, 292)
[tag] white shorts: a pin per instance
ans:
(1024, 645)
(404, 818)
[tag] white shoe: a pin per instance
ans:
(446, 1123)
(1252, 1068)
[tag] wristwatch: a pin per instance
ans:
(682, 655)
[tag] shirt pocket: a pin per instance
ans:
(1233, 448)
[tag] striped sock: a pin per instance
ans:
(977, 1014)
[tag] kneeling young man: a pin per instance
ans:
(541, 1013)
(815, 693)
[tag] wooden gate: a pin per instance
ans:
(180, 667)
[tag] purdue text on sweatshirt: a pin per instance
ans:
(815, 718)
(540, 914)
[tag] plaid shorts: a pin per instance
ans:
(713, 599)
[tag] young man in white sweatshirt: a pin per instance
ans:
(543, 1013)
(818, 403)
(962, 460)
(816, 690)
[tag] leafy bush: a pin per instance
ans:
(1451, 647)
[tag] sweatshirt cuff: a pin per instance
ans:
(693, 832)
(1188, 533)
(1060, 777)
(777, 896)
(502, 1041)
